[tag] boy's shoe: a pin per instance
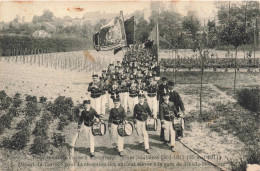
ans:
(172, 148)
(147, 151)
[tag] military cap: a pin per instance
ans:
(86, 102)
(170, 83)
(141, 96)
(165, 94)
(164, 78)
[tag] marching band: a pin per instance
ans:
(130, 90)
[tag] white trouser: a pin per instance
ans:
(103, 104)
(96, 104)
(89, 135)
(123, 97)
(169, 132)
(120, 140)
(132, 101)
(143, 135)
(153, 104)
(110, 102)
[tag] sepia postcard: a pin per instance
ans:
(129, 85)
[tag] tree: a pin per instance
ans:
(142, 30)
(47, 16)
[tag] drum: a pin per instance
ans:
(177, 123)
(98, 129)
(125, 129)
(151, 124)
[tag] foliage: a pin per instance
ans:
(19, 140)
(30, 98)
(29, 45)
(13, 112)
(17, 100)
(58, 139)
(40, 145)
(238, 22)
(6, 120)
(47, 16)
(32, 109)
(252, 157)
(22, 124)
(43, 99)
(6, 102)
(249, 99)
(40, 129)
(2, 95)
(61, 105)
(63, 122)
(46, 117)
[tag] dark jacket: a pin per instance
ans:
(117, 116)
(161, 88)
(176, 99)
(151, 89)
(167, 111)
(95, 91)
(141, 112)
(88, 117)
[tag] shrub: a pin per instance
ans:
(61, 105)
(46, 117)
(17, 95)
(2, 95)
(40, 145)
(40, 129)
(20, 139)
(252, 157)
(31, 108)
(16, 100)
(76, 113)
(58, 139)
(43, 99)
(31, 98)
(13, 112)
(6, 120)
(249, 99)
(22, 124)
(6, 143)
(2, 128)
(6, 102)
(63, 122)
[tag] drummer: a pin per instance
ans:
(167, 113)
(88, 116)
(141, 113)
(116, 117)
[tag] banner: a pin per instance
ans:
(112, 36)
(129, 30)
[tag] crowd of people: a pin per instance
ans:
(211, 61)
(131, 89)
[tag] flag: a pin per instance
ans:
(117, 50)
(129, 30)
(112, 35)
(148, 44)
(154, 35)
(88, 56)
(95, 41)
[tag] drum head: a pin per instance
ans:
(102, 129)
(128, 129)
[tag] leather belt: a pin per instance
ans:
(95, 95)
(133, 95)
(151, 94)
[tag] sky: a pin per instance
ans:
(9, 10)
